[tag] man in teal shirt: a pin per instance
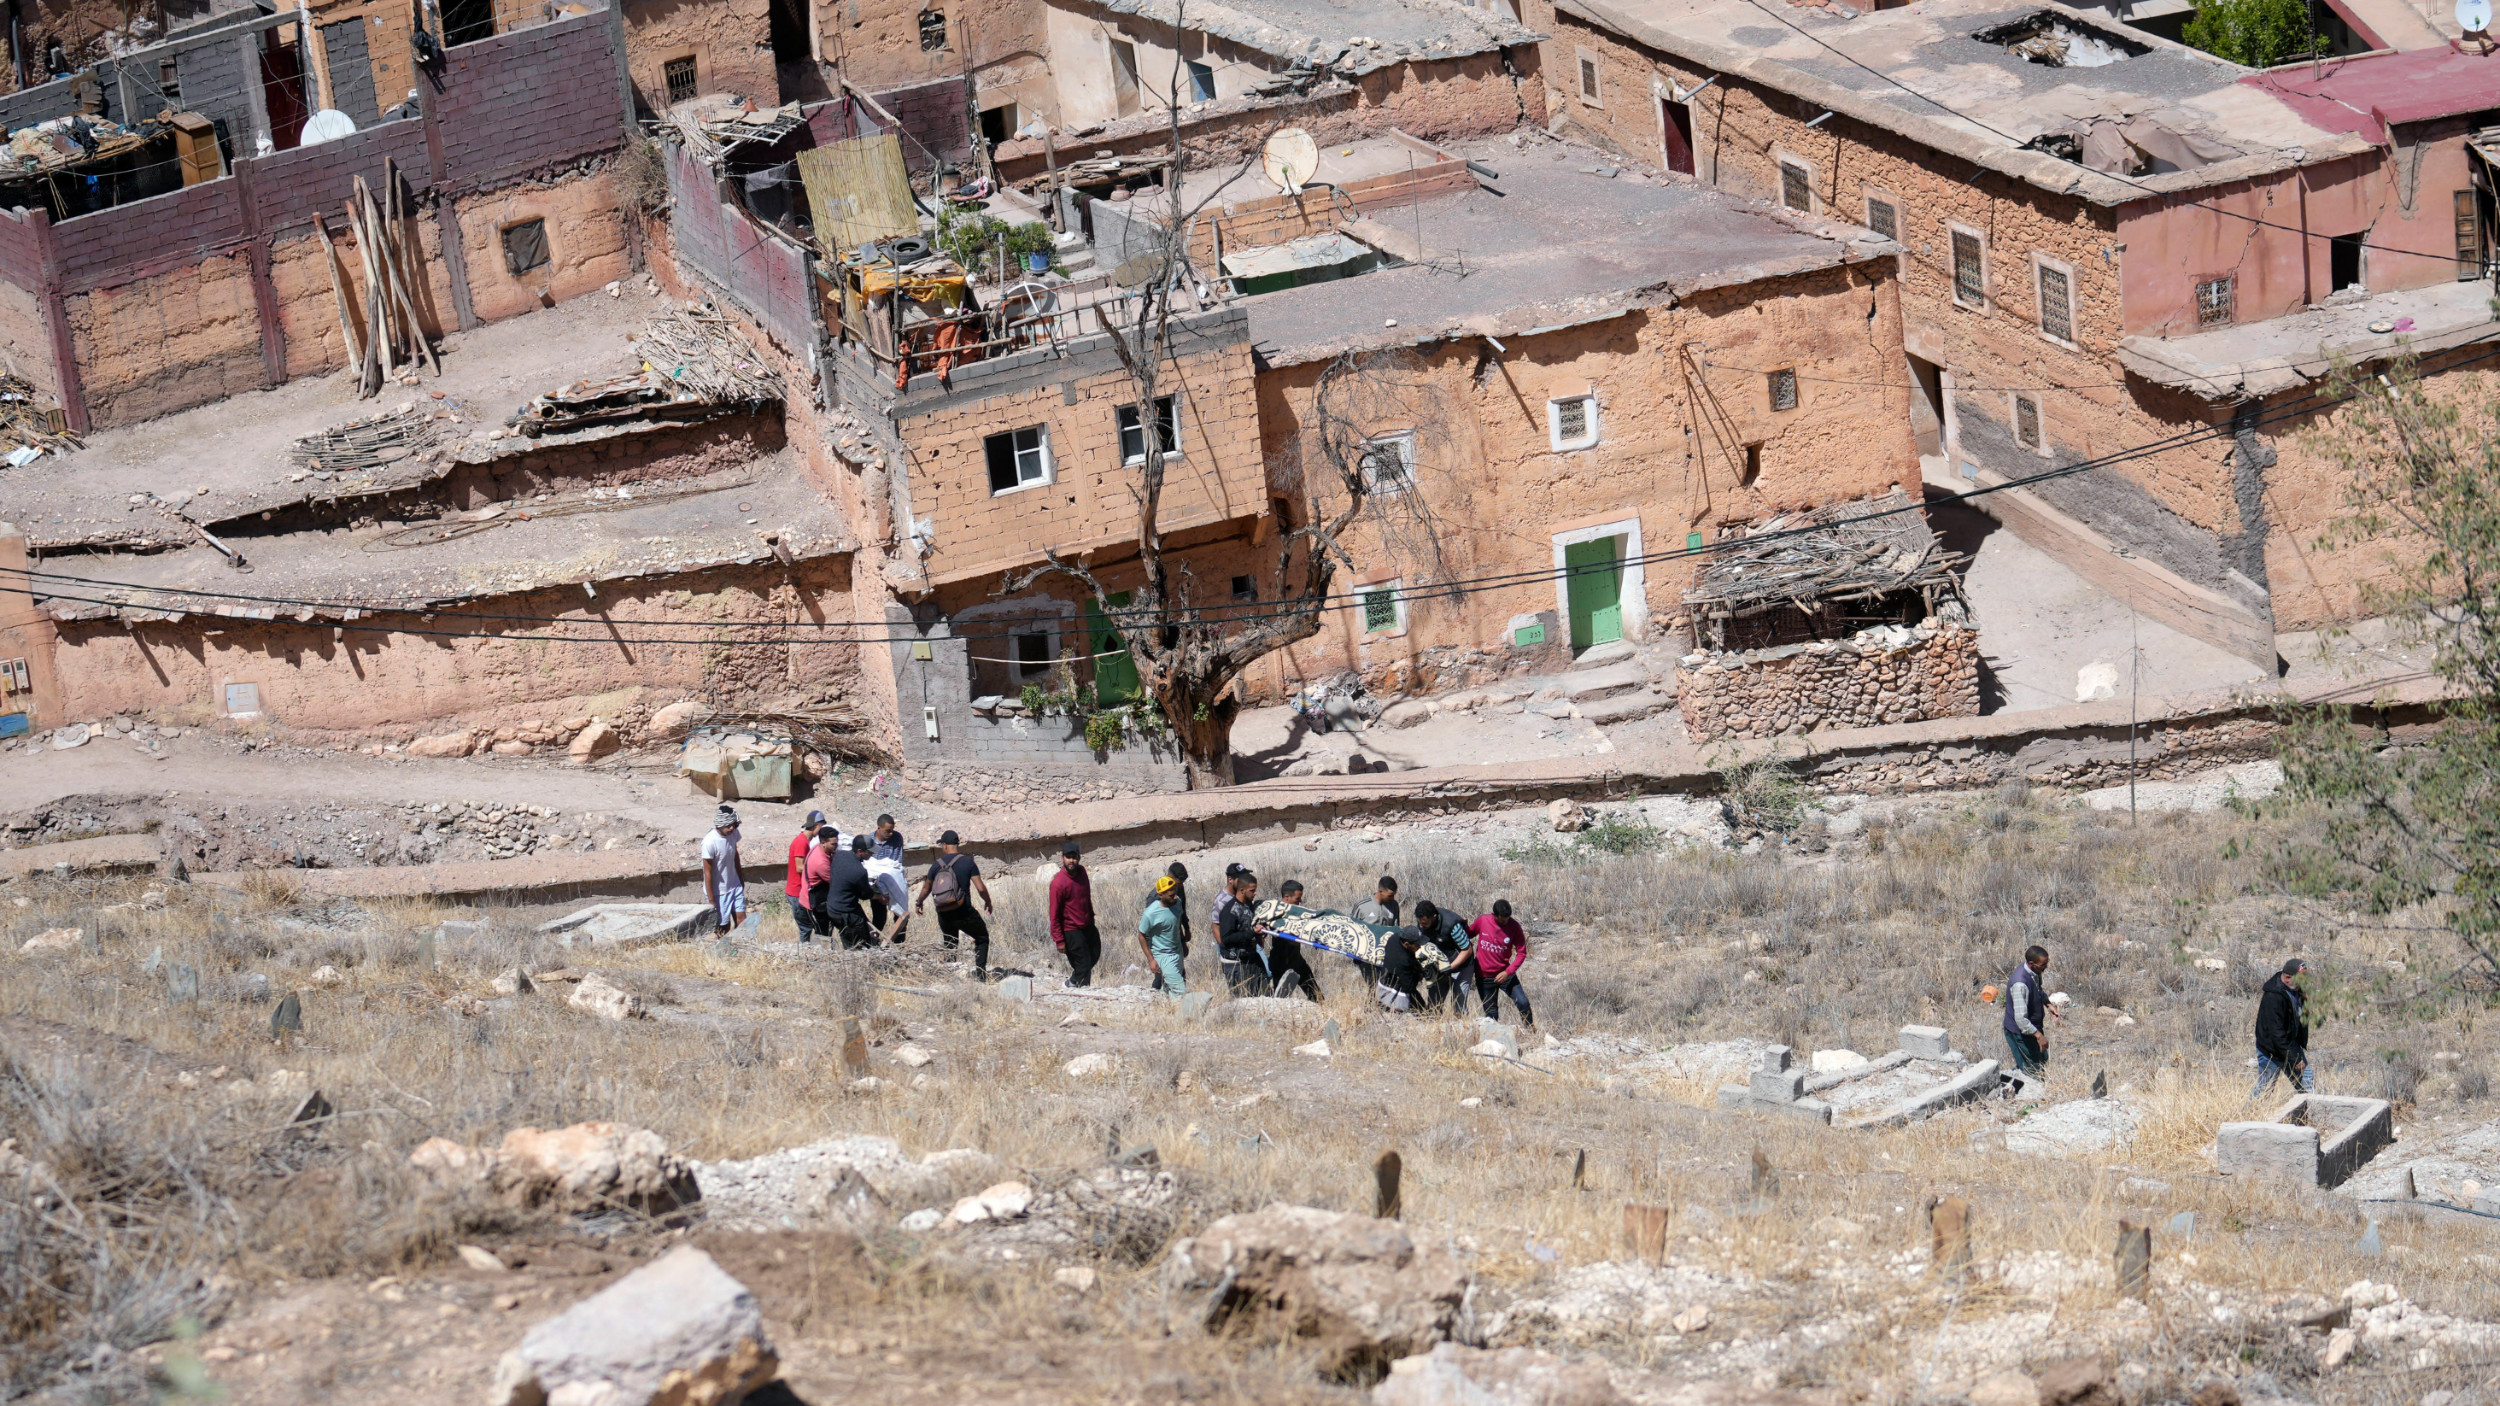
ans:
(1159, 934)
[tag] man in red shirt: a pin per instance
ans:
(1072, 927)
(794, 887)
(1501, 946)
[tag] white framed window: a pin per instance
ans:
(1883, 214)
(1589, 92)
(2056, 282)
(1133, 431)
(1389, 462)
(1970, 268)
(1381, 607)
(2214, 299)
(2030, 426)
(1796, 185)
(1571, 422)
(1018, 458)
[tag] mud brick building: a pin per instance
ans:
(2082, 202)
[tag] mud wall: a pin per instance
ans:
(1862, 681)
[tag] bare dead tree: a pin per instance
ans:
(1190, 652)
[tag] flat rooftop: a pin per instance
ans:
(653, 529)
(1323, 32)
(237, 449)
(1920, 72)
(2281, 353)
(1572, 238)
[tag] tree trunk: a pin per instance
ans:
(1202, 722)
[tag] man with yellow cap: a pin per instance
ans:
(1159, 932)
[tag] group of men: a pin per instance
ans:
(2282, 1023)
(855, 890)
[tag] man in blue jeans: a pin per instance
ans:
(2283, 1031)
(2026, 1006)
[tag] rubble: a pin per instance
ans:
(1359, 1293)
(588, 1167)
(677, 1332)
(1451, 1375)
(800, 1187)
(601, 997)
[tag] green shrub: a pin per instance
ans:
(2257, 33)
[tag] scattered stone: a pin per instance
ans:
(596, 740)
(2079, 1381)
(1087, 1066)
(54, 940)
(1949, 1222)
(1925, 1041)
(1194, 1006)
(1451, 1375)
(327, 978)
(481, 1259)
(2133, 1259)
(2005, 1389)
(1075, 1278)
(1646, 1228)
(1016, 988)
(1354, 1291)
(1847, 1232)
(593, 1166)
(679, 1330)
(2339, 1346)
(1317, 1049)
(1692, 1320)
(288, 1018)
(1838, 1061)
(675, 719)
(514, 982)
(1567, 815)
(1005, 1201)
(599, 996)
(913, 1057)
(922, 1221)
(854, 1047)
(450, 744)
(1406, 714)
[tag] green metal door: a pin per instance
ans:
(1115, 672)
(1595, 591)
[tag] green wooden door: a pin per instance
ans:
(1115, 673)
(1595, 591)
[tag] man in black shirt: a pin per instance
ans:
(847, 893)
(1285, 961)
(1237, 937)
(1448, 938)
(1400, 972)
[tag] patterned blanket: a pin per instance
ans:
(1326, 930)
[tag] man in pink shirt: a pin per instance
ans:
(794, 887)
(1501, 946)
(1072, 927)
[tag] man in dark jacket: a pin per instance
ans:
(846, 891)
(2283, 1031)
(1400, 972)
(1237, 952)
(2027, 1011)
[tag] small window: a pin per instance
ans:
(1588, 80)
(932, 31)
(2213, 302)
(1970, 270)
(1032, 654)
(1784, 390)
(1018, 458)
(1796, 187)
(1572, 422)
(2468, 211)
(1389, 463)
(2027, 421)
(1883, 217)
(168, 80)
(1245, 588)
(1753, 465)
(1201, 82)
(1384, 608)
(2057, 303)
(1133, 434)
(680, 76)
(525, 246)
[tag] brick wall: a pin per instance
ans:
(351, 72)
(521, 101)
(932, 116)
(737, 258)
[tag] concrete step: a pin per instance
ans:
(1598, 656)
(1584, 686)
(1624, 708)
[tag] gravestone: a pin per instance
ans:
(854, 1048)
(723, 950)
(1016, 988)
(1329, 1032)
(182, 983)
(425, 952)
(2184, 1223)
(155, 959)
(251, 987)
(1580, 1170)
(1195, 1004)
(2370, 1244)
(1773, 1081)
(2100, 1084)
(2134, 1259)
(1949, 1221)
(1646, 1228)
(288, 1018)
(1387, 1173)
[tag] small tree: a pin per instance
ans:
(2255, 33)
(2415, 827)
(1189, 651)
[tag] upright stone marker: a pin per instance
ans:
(1646, 1228)
(287, 1019)
(1016, 988)
(1949, 1220)
(2134, 1259)
(182, 983)
(1387, 1174)
(854, 1048)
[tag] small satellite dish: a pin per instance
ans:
(1291, 157)
(330, 124)
(2473, 16)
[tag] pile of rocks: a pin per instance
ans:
(583, 737)
(1888, 674)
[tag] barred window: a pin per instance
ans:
(1588, 78)
(1784, 390)
(2027, 421)
(1970, 273)
(680, 76)
(1382, 610)
(2213, 302)
(1796, 186)
(1883, 217)
(2057, 304)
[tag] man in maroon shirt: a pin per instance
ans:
(1072, 927)
(795, 886)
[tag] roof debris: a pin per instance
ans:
(1837, 552)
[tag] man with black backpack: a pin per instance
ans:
(952, 881)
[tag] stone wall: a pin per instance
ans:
(1889, 674)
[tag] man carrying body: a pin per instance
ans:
(794, 886)
(952, 881)
(1072, 928)
(1448, 939)
(1381, 909)
(885, 870)
(1237, 952)
(2026, 1006)
(1400, 971)
(1284, 955)
(723, 886)
(843, 910)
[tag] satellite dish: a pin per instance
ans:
(330, 124)
(1291, 157)
(2473, 16)
(1029, 299)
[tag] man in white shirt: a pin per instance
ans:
(724, 887)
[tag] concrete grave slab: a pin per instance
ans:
(626, 924)
(2313, 1140)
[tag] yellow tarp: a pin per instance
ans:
(857, 192)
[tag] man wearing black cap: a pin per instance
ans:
(2283, 1030)
(952, 881)
(1072, 928)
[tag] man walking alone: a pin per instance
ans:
(2026, 1006)
(2283, 1030)
(1072, 928)
(951, 883)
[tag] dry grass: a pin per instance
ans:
(178, 1183)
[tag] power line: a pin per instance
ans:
(1913, 385)
(1941, 106)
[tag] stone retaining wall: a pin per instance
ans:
(1885, 675)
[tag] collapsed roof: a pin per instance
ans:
(1861, 551)
(1348, 36)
